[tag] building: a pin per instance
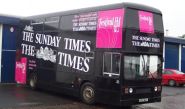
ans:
(174, 53)
(8, 34)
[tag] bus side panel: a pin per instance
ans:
(75, 59)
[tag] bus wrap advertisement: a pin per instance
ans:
(95, 54)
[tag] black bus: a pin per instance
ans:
(110, 54)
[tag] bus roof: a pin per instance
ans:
(98, 8)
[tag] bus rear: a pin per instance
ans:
(142, 57)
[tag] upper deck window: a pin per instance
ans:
(66, 23)
(144, 21)
(51, 24)
(38, 24)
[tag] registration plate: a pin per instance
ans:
(143, 100)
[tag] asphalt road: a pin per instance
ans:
(13, 96)
(172, 98)
(17, 96)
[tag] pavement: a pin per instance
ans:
(20, 97)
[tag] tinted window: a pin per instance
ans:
(158, 23)
(112, 63)
(142, 66)
(66, 23)
(116, 61)
(132, 20)
(38, 24)
(51, 24)
(107, 62)
(131, 66)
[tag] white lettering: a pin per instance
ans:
(47, 40)
(28, 50)
(147, 19)
(86, 65)
(88, 48)
(77, 45)
(75, 62)
(28, 36)
(112, 22)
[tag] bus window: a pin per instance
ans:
(107, 63)
(131, 66)
(65, 23)
(51, 24)
(141, 66)
(111, 64)
(38, 24)
(158, 23)
(132, 21)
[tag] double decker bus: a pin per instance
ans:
(109, 54)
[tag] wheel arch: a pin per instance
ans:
(85, 81)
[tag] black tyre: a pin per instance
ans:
(171, 83)
(87, 93)
(33, 81)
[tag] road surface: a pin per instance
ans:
(13, 96)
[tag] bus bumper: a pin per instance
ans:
(139, 101)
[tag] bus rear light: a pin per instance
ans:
(159, 88)
(126, 90)
(155, 88)
(130, 90)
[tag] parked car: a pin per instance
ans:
(173, 77)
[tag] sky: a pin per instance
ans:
(173, 10)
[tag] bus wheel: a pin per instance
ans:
(171, 83)
(33, 81)
(88, 93)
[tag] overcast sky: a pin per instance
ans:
(173, 10)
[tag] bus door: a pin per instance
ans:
(108, 65)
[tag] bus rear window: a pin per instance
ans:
(142, 66)
(135, 17)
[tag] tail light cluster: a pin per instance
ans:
(157, 88)
(130, 90)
